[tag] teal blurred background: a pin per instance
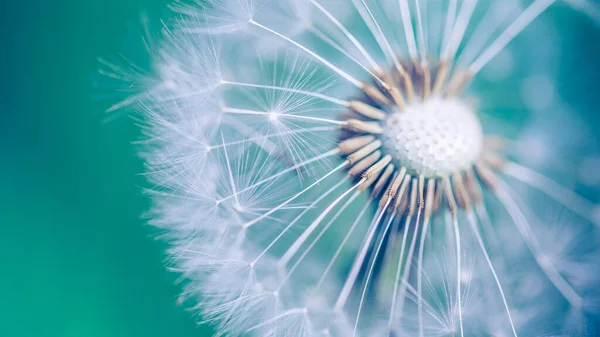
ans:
(76, 258)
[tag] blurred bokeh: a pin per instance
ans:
(76, 257)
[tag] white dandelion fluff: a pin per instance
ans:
(341, 168)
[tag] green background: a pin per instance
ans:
(76, 258)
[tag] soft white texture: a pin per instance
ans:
(435, 138)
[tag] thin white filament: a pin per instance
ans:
(534, 246)
(386, 45)
(238, 301)
(341, 49)
(278, 317)
(487, 226)
(302, 238)
(230, 173)
(321, 233)
(450, 17)
(399, 269)
(528, 15)
(459, 272)
(343, 243)
(420, 275)
(358, 261)
(460, 26)
(428, 307)
(474, 227)
(345, 75)
(292, 90)
(290, 169)
(351, 37)
(273, 135)
(487, 26)
(247, 131)
(408, 29)
(409, 257)
(370, 273)
(275, 209)
(561, 194)
(293, 222)
(280, 115)
(421, 33)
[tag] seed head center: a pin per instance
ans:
(435, 138)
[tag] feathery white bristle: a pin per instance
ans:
(317, 170)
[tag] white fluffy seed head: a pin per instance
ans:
(236, 192)
(434, 138)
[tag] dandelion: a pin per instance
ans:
(322, 168)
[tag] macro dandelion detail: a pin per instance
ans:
(326, 168)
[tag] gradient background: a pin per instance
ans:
(76, 258)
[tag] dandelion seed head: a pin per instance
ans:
(434, 138)
(319, 169)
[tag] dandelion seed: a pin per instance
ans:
(341, 182)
